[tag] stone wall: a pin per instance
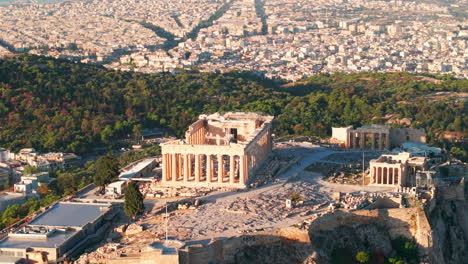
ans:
(340, 133)
(150, 257)
(406, 222)
(399, 136)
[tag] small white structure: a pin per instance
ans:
(30, 183)
(4, 155)
(117, 187)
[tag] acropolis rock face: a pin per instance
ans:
(360, 230)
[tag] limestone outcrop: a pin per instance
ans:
(362, 230)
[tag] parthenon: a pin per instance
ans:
(376, 137)
(219, 150)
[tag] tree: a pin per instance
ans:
(106, 134)
(459, 153)
(406, 248)
(107, 170)
(362, 257)
(396, 261)
(31, 170)
(12, 211)
(137, 131)
(133, 204)
(43, 189)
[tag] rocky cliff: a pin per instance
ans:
(441, 238)
(449, 222)
(337, 234)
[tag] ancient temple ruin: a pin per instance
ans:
(397, 170)
(219, 150)
(376, 137)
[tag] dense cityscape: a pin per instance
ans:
(275, 38)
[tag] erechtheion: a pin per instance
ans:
(220, 150)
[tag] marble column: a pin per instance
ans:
(390, 176)
(242, 169)
(197, 167)
(208, 168)
(164, 171)
(186, 167)
(348, 140)
(379, 175)
(190, 168)
(220, 168)
(354, 141)
(174, 167)
(232, 169)
(180, 166)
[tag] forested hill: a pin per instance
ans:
(53, 105)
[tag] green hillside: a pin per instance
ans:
(53, 105)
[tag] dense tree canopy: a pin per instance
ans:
(133, 204)
(107, 170)
(55, 105)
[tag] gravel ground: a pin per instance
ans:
(230, 215)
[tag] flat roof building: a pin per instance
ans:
(219, 150)
(9, 198)
(58, 233)
(137, 169)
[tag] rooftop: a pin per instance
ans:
(134, 168)
(420, 148)
(116, 184)
(56, 239)
(70, 215)
(9, 196)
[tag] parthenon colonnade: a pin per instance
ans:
(202, 168)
